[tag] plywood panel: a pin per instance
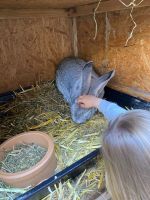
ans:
(31, 48)
(132, 63)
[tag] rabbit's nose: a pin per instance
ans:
(77, 120)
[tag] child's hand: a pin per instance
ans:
(88, 101)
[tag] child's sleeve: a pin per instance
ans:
(110, 110)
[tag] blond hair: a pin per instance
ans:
(126, 150)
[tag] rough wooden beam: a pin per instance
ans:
(27, 13)
(42, 4)
(106, 6)
(74, 37)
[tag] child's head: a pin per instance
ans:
(126, 149)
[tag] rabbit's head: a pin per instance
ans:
(80, 115)
(87, 84)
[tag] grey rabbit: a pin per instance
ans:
(76, 77)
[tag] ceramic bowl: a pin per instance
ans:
(37, 173)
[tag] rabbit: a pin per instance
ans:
(76, 77)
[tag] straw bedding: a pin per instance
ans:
(43, 108)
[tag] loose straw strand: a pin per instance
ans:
(133, 4)
(94, 16)
(135, 25)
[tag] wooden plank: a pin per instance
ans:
(106, 6)
(74, 37)
(28, 13)
(42, 4)
(132, 91)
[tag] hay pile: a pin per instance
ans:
(43, 108)
(22, 157)
(9, 193)
(85, 187)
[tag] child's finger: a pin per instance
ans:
(81, 104)
(80, 100)
(81, 97)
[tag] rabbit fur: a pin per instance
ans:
(76, 77)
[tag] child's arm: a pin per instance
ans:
(110, 110)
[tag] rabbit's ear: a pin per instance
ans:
(75, 91)
(101, 82)
(82, 84)
(86, 77)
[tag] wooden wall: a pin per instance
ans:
(30, 49)
(132, 63)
